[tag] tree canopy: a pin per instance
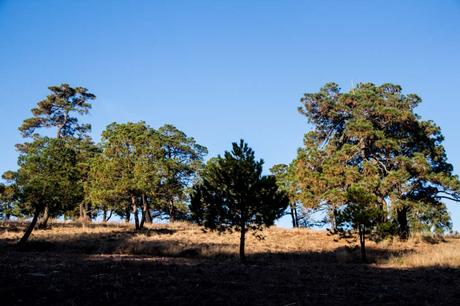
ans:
(147, 166)
(370, 141)
(57, 110)
(48, 179)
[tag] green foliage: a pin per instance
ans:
(56, 110)
(285, 179)
(182, 159)
(371, 140)
(48, 176)
(53, 172)
(139, 161)
(9, 196)
(361, 210)
(126, 167)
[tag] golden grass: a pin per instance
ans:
(188, 240)
(428, 252)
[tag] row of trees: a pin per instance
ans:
(370, 164)
(134, 170)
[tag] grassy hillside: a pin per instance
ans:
(180, 264)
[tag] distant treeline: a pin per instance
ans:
(370, 164)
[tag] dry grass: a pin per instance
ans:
(190, 241)
(426, 251)
(179, 264)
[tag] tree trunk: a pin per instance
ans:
(242, 241)
(30, 228)
(83, 213)
(44, 219)
(296, 217)
(110, 216)
(128, 214)
(294, 224)
(148, 216)
(403, 226)
(136, 217)
(104, 215)
(362, 242)
(88, 212)
(144, 211)
(172, 212)
(333, 219)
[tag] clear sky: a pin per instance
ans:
(225, 70)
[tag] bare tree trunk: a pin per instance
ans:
(88, 212)
(242, 241)
(148, 216)
(294, 225)
(128, 214)
(44, 219)
(362, 242)
(110, 216)
(403, 226)
(84, 218)
(332, 219)
(136, 217)
(82, 212)
(144, 211)
(172, 212)
(104, 215)
(296, 216)
(30, 228)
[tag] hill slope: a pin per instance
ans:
(180, 264)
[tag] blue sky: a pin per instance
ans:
(225, 70)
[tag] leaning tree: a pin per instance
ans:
(47, 178)
(60, 111)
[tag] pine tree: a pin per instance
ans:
(181, 161)
(59, 110)
(47, 179)
(371, 137)
(234, 195)
(56, 111)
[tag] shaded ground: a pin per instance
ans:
(67, 272)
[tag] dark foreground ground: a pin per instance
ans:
(47, 274)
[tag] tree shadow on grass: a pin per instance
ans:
(131, 242)
(303, 279)
(125, 240)
(112, 269)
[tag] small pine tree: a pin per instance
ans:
(234, 195)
